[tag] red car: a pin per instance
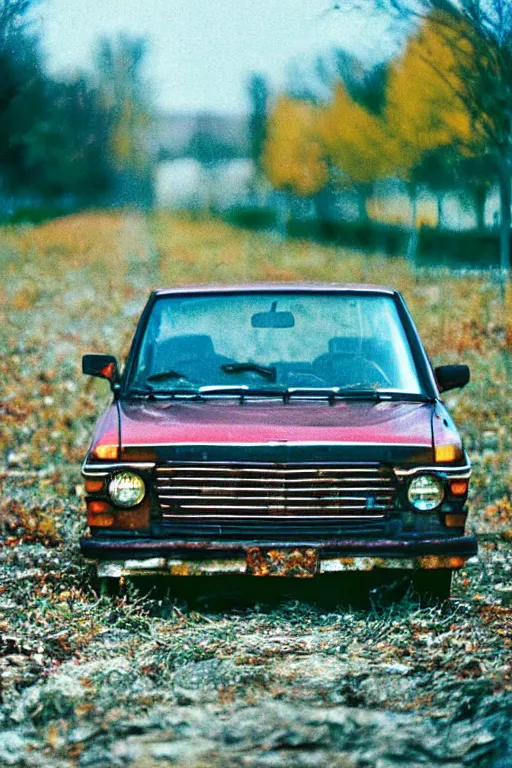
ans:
(288, 430)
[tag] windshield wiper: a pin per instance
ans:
(353, 393)
(269, 372)
(155, 394)
(167, 375)
(242, 391)
(332, 394)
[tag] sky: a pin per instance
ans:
(201, 53)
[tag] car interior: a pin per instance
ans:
(347, 362)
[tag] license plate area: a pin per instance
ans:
(297, 562)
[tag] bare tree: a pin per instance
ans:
(480, 35)
(259, 96)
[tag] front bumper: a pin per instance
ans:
(123, 557)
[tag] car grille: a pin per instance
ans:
(220, 492)
(269, 529)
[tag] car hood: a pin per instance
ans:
(271, 430)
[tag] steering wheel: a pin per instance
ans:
(377, 368)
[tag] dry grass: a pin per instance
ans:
(71, 660)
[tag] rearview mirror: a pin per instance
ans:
(102, 366)
(452, 377)
(273, 319)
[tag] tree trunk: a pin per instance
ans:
(440, 199)
(412, 248)
(322, 206)
(362, 202)
(283, 212)
(480, 197)
(505, 202)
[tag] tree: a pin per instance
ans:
(423, 110)
(479, 36)
(259, 94)
(293, 158)
(68, 145)
(425, 118)
(13, 14)
(124, 95)
(21, 94)
(356, 143)
(437, 170)
(476, 176)
(53, 135)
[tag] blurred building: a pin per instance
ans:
(174, 134)
(204, 160)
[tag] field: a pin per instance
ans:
(282, 680)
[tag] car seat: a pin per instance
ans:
(345, 364)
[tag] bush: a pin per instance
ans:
(251, 217)
(35, 214)
(473, 248)
(364, 235)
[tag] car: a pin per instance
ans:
(277, 430)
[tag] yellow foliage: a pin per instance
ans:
(355, 140)
(127, 144)
(424, 108)
(293, 157)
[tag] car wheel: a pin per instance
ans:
(433, 586)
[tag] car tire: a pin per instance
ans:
(433, 586)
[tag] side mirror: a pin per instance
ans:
(102, 366)
(452, 377)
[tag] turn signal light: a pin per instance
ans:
(110, 452)
(455, 521)
(98, 507)
(93, 486)
(446, 454)
(459, 487)
(99, 514)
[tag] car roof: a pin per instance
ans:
(279, 288)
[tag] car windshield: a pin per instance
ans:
(268, 341)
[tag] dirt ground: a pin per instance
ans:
(209, 673)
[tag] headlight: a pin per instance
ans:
(127, 489)
(425, 492)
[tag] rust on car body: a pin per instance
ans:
(274, 563)
(299, 562)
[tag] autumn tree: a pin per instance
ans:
(293, 158)
(426, 121)
(479, 36)
(356, 143)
